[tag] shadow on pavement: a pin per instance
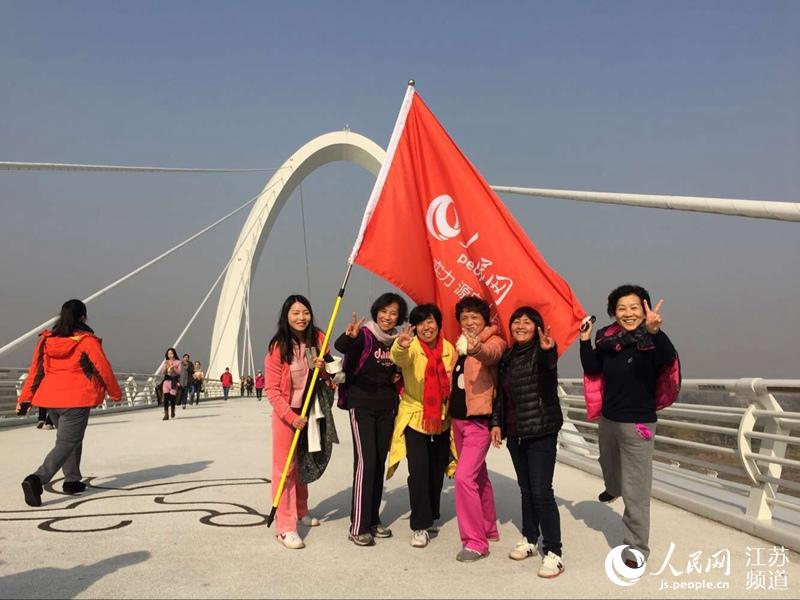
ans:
(51, 582)
(151, 474)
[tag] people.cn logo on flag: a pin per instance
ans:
(436, 219)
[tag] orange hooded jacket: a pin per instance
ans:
(69, 372)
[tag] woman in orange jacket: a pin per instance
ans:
(69, 375)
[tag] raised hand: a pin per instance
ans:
(586, 329)
(354, 326)
(472, 342)
(653, 318)
(405, 337)
(546, 342)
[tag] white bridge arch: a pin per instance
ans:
(327, 148)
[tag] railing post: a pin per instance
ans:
(149, 390)
(130, 390)
(19, 383)
(761, 492)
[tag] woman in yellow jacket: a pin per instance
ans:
(422, 426)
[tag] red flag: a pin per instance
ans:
(435, 229)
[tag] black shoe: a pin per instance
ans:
(40, 424)
(166, 417)
(606, 497)
(32, 488)
(73, 487)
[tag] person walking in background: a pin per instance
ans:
(259, 383)
(44, 419)
(248, 385)
(527, 412)
(370, 395)
(197, 384)
(241, 387)
(170, 386)
(186, 379)
(69, 375)
(422, 426)
(472, 391)
(632, 372)
(293, 352)
(227, 381)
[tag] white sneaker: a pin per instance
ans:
(524, 549)
(310, 521)
(290, 540)
(419, 538)
(551, 566)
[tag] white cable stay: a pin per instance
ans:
(37, 166)
(756, 209)
(214, 285)
(13, 344)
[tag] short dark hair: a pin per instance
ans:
(625, 290)
(421, 312)
(186, 356)
(474, 304)
(531, 313)
(385, 300)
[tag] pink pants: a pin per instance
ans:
(294, 501)
(475, 511)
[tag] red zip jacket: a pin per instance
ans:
(69, 372)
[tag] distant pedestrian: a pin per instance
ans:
(69, 374)
(44, 419)
(241, 387)
(632, 372)
(197, 385)
(259, 383)
(170, 385)
(227, 381)
(248, 384)
(186, 379)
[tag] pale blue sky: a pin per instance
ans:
(692, 98)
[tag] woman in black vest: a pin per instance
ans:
(526, 410)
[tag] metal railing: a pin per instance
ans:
(747, 441)
(138, 391)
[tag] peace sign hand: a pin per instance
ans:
(406, 334)
(354, 326)
(546, 342)
(653, 319)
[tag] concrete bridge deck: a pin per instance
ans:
(176, 509)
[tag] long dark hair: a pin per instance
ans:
(73, 312)
(174, 352)
(285, 338)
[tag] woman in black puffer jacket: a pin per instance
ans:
(526, 410)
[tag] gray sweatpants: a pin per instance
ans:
(627, 462)
(70, 426)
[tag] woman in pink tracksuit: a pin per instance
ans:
(293, 352)
(474, 380)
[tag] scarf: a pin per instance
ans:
(614, 338)
(437, 387)
(384, 337)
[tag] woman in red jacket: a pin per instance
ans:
(293, 352)
(69, 375)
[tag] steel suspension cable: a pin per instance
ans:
(13, 344)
